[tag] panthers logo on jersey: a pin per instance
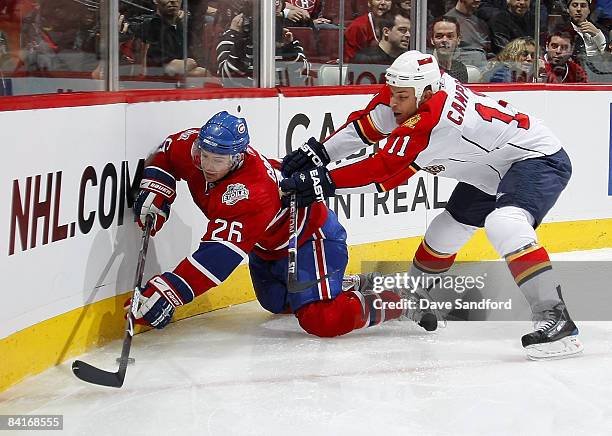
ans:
(412, 121)
(434, 169)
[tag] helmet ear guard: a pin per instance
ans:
(414, 69)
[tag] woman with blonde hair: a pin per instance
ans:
(515, 63)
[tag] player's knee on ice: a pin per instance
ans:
(272, 303)
(510, 228)
(330, 318)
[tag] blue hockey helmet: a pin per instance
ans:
(223, 134)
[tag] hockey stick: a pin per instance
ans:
(293, 285)
(292, 247)
(91, 374)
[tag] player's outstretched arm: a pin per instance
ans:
(361, 129)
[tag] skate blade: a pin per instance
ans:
(569, 346)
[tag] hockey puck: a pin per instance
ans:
(131, 360)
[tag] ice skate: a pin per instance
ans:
(421, 314)
(555, 337)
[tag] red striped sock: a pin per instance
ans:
(528, 263)
(430, 261)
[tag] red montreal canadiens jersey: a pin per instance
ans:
(458, 133)
(312, 6)
(243, 209)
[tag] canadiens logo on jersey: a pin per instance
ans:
(434, 169)
(234, 193)
(412, 121)
(309, 5)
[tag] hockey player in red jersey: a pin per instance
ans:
(236, 188)
(510, 167)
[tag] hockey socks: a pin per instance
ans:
(429, 261)
(532, 271)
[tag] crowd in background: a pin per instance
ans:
(473, 40)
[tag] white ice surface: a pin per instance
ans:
(242, 371)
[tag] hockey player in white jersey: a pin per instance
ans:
(510, 167)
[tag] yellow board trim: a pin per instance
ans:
(34, 349)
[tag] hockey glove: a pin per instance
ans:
(157, 301)
(311, 154)
(311, 186)
(157, 192)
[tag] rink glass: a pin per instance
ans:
(68, 45)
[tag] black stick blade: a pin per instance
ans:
(97, 376)
(295, 287)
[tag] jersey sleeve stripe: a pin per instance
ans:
(216, 259)
(398, 179)
(299, 231)
(278, 216)
(160, 174)
(229, 245)
(364, 189)
(203, 270)
(367, 130)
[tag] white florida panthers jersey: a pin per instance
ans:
(458, 133)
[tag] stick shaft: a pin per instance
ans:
(129, 325)
(91, 374)
(292, 275)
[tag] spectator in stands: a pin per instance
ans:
(7, 8)
(445, 37)
(361, 33)
(131, 18)
(7, 61)
(4, 45)
(136, 8)
(590, 40)
(515, 63)
(295, 16)
(61, 36)
(516, 21)
(312, 15)
(395, 40)
(559, 67)
(200, 13)
(475, 33)
(162, 35)
(404, 7)
(235, 50)
(603, 14)
(490, 8)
